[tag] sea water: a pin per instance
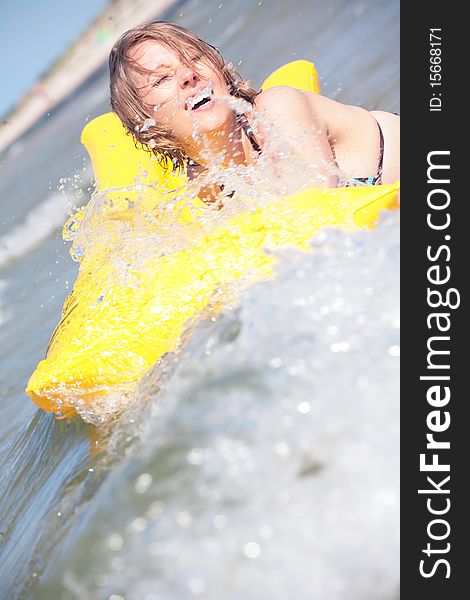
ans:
(263, 460)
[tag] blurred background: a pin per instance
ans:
(267, 465)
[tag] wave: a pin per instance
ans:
(270, 452)
(4, 313)
(43, 220)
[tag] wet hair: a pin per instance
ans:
(125, 99)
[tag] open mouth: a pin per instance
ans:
(200, 99)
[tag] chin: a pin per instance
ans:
(219, 118)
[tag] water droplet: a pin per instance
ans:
(343, 346)
(195, 456)
(147, 124)
(252, 550)
(220, 521)
(184, 519)
(143, 482)
(196, 586)
(137, 525)
(282, 449)
(115, 542)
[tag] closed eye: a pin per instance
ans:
(160, 80)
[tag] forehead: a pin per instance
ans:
(151, 55)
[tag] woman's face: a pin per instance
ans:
(186, 99)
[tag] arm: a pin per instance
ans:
(288, 125)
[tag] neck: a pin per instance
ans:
(226, 145)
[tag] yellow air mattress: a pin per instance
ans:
(115, 328)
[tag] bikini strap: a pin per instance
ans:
(243, 121)
(381, 159)
(245, 125)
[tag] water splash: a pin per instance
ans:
(270, 453)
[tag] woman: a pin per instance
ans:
(176, 94)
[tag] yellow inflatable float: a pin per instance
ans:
(120, 317)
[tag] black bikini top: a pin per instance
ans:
(378, 178)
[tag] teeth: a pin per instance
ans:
(205, 93)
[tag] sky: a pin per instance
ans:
(33, 35)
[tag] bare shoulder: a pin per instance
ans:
(289, 100)
(280, 96)
(385, 117)
(288, 108)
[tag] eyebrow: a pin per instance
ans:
(148, 73)
(164, 65)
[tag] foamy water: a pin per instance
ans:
(267, 465)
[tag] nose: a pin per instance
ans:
(187, 77)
